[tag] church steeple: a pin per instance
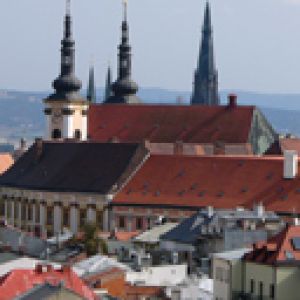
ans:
(108, 85)
(66, 110)
(124, 89)
(67, 85)
(91, 89)
(206, 76)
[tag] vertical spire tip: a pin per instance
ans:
(125, 4)
(68, 7)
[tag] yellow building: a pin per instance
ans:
(269, 271)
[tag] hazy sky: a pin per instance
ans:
(257, 42)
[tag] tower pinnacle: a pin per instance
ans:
(206, 76)
(91, 89)
(124, 89)
(67, 86)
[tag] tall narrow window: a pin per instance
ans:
(77, 134)
(252, 286)
(139, 223)
(261, 290)
(272, 291)
(56, 134)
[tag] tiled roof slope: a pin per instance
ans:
(70, 166)
(219, 181)
(17, 282)
(6, 161)
(279, 249)
(170, 123)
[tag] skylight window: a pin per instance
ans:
(296, 243)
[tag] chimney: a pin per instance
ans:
(210, 211)
(39, 268)
(22, 144)
(290, 165)
(39, 147)
(232, 100)
(259, 210)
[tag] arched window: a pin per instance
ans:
(56, 134)
(77, 134)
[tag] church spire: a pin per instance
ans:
(91, 89)
(67, 86)
(124, 89)
(206, 76)
(108, 85)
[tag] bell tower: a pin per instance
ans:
(66, 110)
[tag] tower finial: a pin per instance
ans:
(68, 7)
(125, 4)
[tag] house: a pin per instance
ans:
(211, 231)
(229, 129)
(177, 186)
(227, 273)
(271, 269)
(19, 281)
(47, 190)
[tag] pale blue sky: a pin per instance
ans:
(257, 42)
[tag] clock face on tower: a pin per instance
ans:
(56, 116)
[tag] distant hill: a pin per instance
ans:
(21, 113)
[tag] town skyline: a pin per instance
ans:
(271, 67)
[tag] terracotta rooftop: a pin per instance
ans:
(284, 248)
(6, 161)
(170, 123)
(219, 181)
(17, 282)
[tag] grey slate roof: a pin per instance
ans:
(191, 229)
(70, 167)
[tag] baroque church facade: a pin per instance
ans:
(90, 150)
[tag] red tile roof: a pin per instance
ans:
(278, 249)
(219, 181)
(6, 161)
(170, 123)
(17, 282)
(146, 291)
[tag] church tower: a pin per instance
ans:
(66, 109)
(205, 90)
(124, 89)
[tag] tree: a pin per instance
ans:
(92, 243)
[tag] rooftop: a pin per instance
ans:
(232, 255)
(153, 235)
(224, 182)
(70, 166)
(17, 282)
(170, 123)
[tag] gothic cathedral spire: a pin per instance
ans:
(205, 90)
(124, 89)
(108, 85)
(91, 89)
